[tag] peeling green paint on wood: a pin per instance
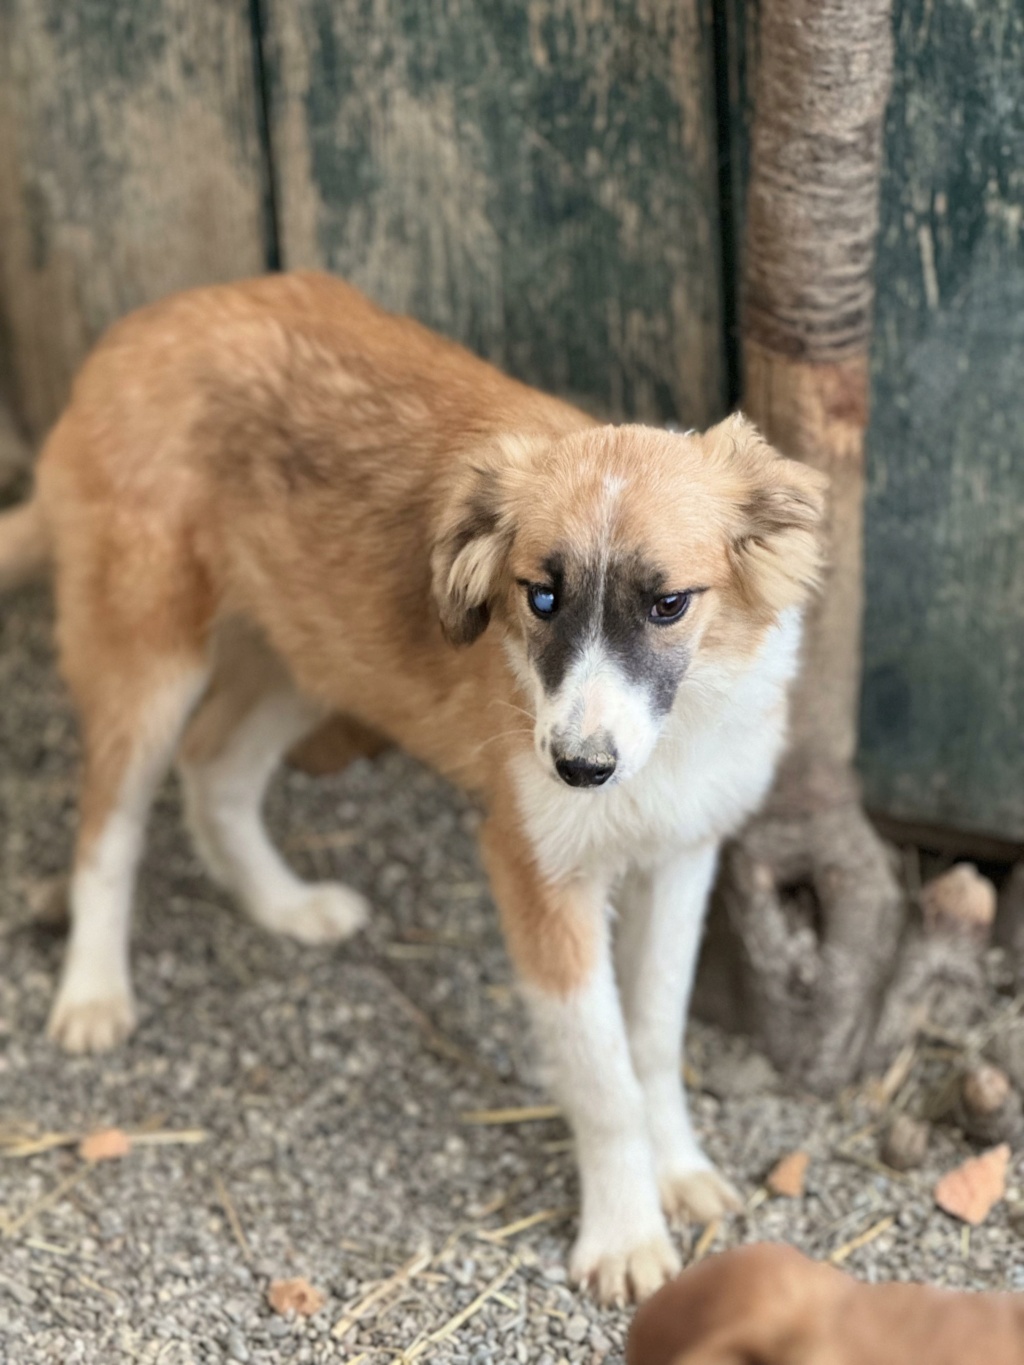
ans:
(943, 699)
(130, 166)
(535, 179)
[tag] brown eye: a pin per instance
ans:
(670, 608)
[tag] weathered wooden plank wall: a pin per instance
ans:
(541, 181)
(535, 179)
(943, 701)
(130, 165)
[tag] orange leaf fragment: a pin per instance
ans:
(106, 1144)
(971, 1191)
(295, 1296)
(787, 1176)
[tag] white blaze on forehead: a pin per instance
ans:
(611, 486)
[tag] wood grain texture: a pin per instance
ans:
(130, 166)
(821, 87)
(942, 720)
(537, 180)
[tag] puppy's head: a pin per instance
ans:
(760, 1304)
(617, 561)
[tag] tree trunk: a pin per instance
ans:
(808, 902)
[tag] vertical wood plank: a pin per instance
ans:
(943, 704)
(537, 180)
(130, 166)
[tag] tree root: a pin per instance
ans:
(803, 940)
(814, 949)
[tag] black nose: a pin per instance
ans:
(582, 772)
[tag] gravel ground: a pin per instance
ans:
(331, 1087)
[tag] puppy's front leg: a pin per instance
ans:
(658, 941)
(558, 939)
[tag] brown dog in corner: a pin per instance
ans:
(271, 501)
(768, 1305)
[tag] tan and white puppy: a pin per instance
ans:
(269, 502)
(767, 1304)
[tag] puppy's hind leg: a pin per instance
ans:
(132, 711)
(250, 718)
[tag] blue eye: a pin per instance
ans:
(670, 608)
(541, 599)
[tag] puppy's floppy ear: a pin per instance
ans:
(473, 540)
(468, 555)
(777, 541)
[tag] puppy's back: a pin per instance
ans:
(297, 375)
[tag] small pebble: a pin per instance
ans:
(23, 1293)
(985, 1089)
(905, 1144)
(960, 901)
(237, 1349)
(577, 1328)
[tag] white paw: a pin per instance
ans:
(326, 912)
(699, 1195)
(91, 1025)
(620, 1275)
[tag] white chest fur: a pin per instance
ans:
(711, 768)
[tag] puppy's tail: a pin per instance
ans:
(24, 545)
